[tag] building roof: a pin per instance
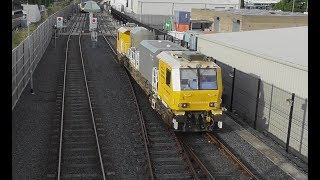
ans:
(285, 45)
(258, 12)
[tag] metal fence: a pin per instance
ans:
(26, 56)
(279, 113)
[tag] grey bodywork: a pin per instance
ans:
(149, 49)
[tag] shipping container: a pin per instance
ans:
(182, 17)
(182, 27)
(149, 49)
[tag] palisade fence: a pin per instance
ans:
(26, 56)
(280, 114)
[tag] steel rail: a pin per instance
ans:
(203, 168)
(142, 123)
(92, 115)
(184, 154)
(214, 140)
(63, 97)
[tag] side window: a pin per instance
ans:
(168, 77)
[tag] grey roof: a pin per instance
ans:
(284, 45)
(139, 29)
(156, 45)
(258, 12)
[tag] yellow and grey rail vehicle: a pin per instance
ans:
(183, 86)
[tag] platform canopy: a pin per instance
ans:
(91, 7)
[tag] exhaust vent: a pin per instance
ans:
(193, 56)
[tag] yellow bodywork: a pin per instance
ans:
(123, 40)
(198, 100)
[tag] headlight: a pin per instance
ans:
(183, 105)
(211, 104)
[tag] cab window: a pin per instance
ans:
(168, 77)
(198, 79)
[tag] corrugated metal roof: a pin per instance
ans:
(155, 45)
(285, 45)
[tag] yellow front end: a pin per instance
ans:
(204, 103)
(123, 41)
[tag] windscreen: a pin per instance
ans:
(198, 79)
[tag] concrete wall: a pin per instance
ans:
(272, 22)
(248, 23)
(226, 19)
(167, 7)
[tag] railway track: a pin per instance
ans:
(80, 153)
(162, 150)
(177, 156)
(212, 155)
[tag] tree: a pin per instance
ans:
(286, 5)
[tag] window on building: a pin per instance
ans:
(168, 77)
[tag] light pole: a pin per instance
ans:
(307, 7)
(293, 5)
(31, 80)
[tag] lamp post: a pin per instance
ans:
(293, 5)
(307, 7)
(31, 80)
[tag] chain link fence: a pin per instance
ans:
(26, 56)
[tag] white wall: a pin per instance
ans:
(167, 7)
(283, 76)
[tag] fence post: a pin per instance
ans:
(31, 80)
(233, 76)
(290, 121)
(257, 105)
(270, 102)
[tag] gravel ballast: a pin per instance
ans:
(32, 114)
